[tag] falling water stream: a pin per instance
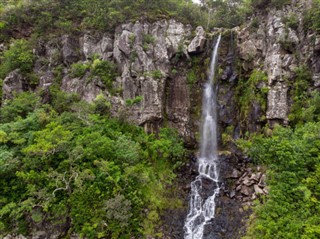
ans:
(205, 187)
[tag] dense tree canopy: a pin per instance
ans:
(82, 173)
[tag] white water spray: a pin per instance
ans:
(202, 206)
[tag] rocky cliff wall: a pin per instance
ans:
(278, 43)
(152, 61)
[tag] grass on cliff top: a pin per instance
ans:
(58, 16)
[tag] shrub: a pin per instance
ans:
(312, 17)
(135, 100)
(191, 77)
(291, 21)
(107, 177)
(19, 55)
(20, 106)
(291, 210)
(79, 69)
(250, 91)
(106, 71)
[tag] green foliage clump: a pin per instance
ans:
(191, 77)
(135, 100)
(79, 69)
(312, 17)
(56, 16)
(82, 172)
(19, 55)
(105, 70)
(291, 210)
(229, 13)
(300, 94)
(155, 74)
(23, 104)
(265, 3)
(147, 40)
(252, 91)
(291, 21)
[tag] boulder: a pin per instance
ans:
(235, 173)
(247, 181)
(257, 190)
(198, 42)
(262, 182)
(13, 83)
(245, 190)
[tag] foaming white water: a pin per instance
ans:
(202, 206)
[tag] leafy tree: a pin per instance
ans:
(82, 172)
(291, 209)
(19, 55)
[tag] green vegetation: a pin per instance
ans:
(57, 16)
(312, 17)
(155, 74)
(291, 21)
(291, 155)
(19, 55)
(135, 100)
(79, 69)
(300, 94)
(291, 210)
(53, 17)
(147, 41)
(70, 167)
(265, 3)
(106, 71)
(191, 77)
(253, 90)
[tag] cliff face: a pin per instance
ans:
(154, 61)
(279, 45)
(161, 67)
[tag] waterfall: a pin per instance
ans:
(205, 187)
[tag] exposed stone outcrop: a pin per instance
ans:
(277, 102)
(279, 49)
(70, 46)
(198, 43)
(249, 185)
(87, 89)
(92, 45)
(144, 53)
(15, 82)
